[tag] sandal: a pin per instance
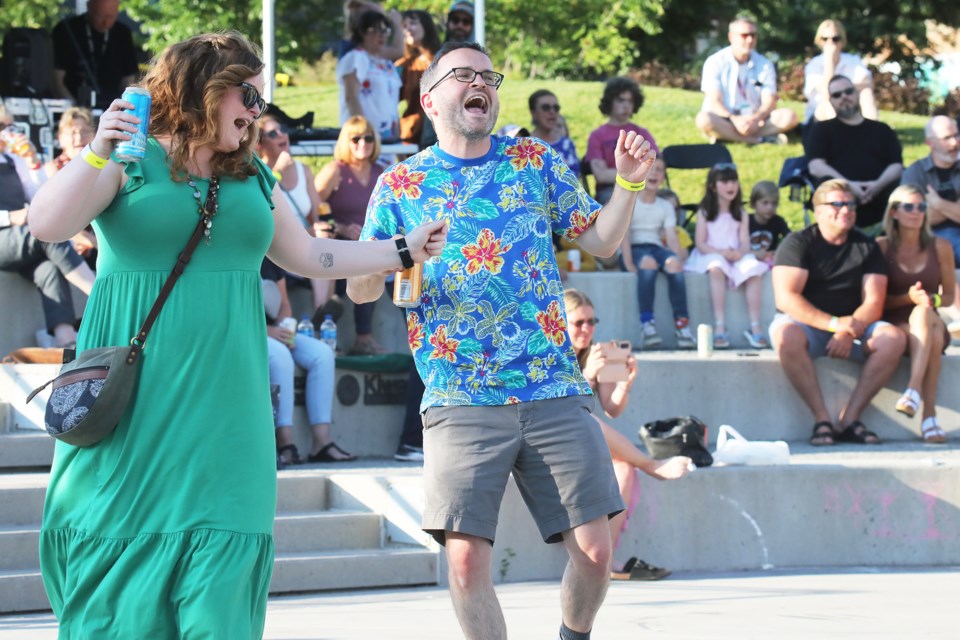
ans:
(908, 403)
(932, 432)
(857, 433)
(721, 340)
(635, 569)
(324, 454)
(756, 339)
(822, 434)
(288, 455)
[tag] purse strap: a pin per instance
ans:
(138, 341)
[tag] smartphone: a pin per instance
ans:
(616, 353)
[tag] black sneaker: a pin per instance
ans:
(406, 453)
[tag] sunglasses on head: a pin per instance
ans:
(550, 107)
(833, 38)
(728, 166)
(840, 204)
(588, 321)
(368, 138)
(836, 95)
(252, 98)
(908, 207)
(273, 134)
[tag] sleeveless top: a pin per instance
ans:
(899, 282)
(349, 202)
(299, 198)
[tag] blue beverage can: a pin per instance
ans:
(135, 149)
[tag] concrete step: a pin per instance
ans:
(26, 450)
(21, 498)
(19, 547)
(393, 566)
(22, 591)
(327, 531)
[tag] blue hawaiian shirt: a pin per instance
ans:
(491, 327)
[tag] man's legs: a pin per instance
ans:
(790, 343)
(587, 575)
(471, 587)
(718, 128)
(884, 348)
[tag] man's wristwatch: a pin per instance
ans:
(405, 258)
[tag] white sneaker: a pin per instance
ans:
(685, 339)
(650, 337)
(407, 453)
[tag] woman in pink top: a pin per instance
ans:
(347, 183)
(723, 251)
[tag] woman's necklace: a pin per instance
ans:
(208, 209)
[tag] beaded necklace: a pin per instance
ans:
(209, 209)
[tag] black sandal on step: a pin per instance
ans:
(823, 434)
(324, 454)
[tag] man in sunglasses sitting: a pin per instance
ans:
(865, 153)
(504, 393)
(830, 284)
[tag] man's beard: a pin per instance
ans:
(459, 126)
(848, 113)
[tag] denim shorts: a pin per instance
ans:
(554, 448)
(658, 253)
(817, 339)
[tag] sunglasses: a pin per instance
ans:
(549, 107)
(273, 134)
(722, 166)
(908, 207)
(833, 38)
(840, 204)
(749, 34)
(836, 95)
(368, 138)
(252, 98)
(464, 20)
(380, 31)
(590, 321)
(468, 75)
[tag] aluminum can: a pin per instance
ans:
(408, 286)
(135, 149)
(704, 340)
(290, 324)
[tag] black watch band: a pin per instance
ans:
(405, 258)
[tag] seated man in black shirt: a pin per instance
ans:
(830, 283)
(864, 153)
(94, 57)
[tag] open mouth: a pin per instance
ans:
(476, 104)
(242, 123)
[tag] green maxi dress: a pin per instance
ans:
(165, 528)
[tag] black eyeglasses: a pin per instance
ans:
(467, 75)
(252, 98)
(368, 138)
(550, 107)
(721, 166)
(834, 38)
(836, 95)
(273, 134)
(908, 207)
(590, 321)
(840, 204)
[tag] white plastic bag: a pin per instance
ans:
(733, 448)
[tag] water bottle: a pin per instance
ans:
(305, 327)
(328, 332)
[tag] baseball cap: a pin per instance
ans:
(462, 5)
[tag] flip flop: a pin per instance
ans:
(324, 454)
(857, 433)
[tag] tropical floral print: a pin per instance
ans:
(490, 328)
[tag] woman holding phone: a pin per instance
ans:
(613, 398)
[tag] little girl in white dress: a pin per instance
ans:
(722, 250)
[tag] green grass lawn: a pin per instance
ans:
(667, 113)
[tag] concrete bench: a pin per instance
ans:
(21, 314)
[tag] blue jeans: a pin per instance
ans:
(647, 280)
(952, 235)
(318, 360)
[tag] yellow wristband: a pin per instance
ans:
(936, 300)
(93, 159)
(834, 324)
(631, 186)
(278, 176)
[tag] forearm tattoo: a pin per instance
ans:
(326, 259)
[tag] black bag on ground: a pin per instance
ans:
(680, 436)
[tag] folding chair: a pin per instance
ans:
(796, 176)
(693, 156)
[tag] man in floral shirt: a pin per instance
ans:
(503, 390)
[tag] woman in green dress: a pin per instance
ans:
(164, 528)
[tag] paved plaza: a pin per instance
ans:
(828, 605)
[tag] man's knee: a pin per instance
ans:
(704, 121)
(591, 549)
(789, 339)
(468, 558)
(887, 341)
